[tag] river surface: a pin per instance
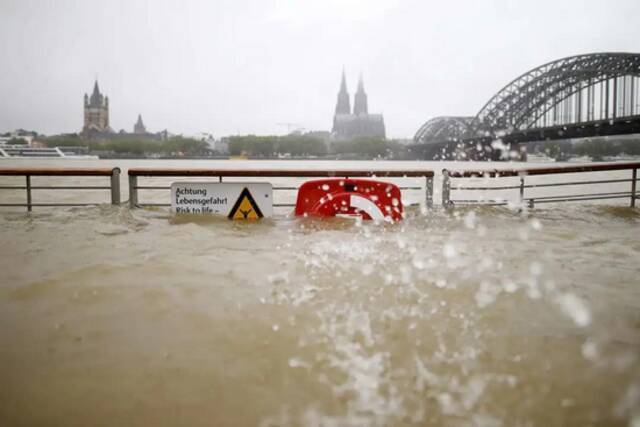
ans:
(476, 316)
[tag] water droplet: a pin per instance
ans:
(576, 309)
(449, 251)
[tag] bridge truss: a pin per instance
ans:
(567, 92)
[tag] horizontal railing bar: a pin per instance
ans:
(276, 205)
(72, 188)
(145, 187)
(279, 173)
(481, 202)
(151, 187)
(169, 188)
(557, 184)
(148, 187)
(56, 172)
(478, 173)
(579, 199)
(54, 188)
(297, 188)
(512, 187)
(599, 196)
(620, 193)
(52, 204)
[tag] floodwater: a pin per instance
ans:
(479, 316)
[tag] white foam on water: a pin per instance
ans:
(575, 308)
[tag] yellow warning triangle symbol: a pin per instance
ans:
(245, 207)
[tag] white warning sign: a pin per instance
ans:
(235, 200)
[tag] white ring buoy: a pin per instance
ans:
(365, 204)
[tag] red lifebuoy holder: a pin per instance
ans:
(354, 197)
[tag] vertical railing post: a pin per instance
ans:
(115, 186)
(133, 191)
(615, 97)
(28, 177)
(429, 192)
(521, 190)
(446, 188)
(632, 96)
(634, 179)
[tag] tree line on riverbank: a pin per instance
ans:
(312, 146)
(173, 146)
(271, 146)
(254, 146)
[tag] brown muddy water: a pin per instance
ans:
(472, 317)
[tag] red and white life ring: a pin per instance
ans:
(369, 199)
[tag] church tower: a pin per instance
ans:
(360, 100)
(343, 106)
(139, 128)
(96, 112)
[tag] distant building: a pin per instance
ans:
(140, 136)
(96, 121)
(220, 145)
(96, 113)
(348, 125)
(140, 132)
(31, 138)
(139, 128)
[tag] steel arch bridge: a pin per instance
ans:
(569, 92)
(444, 128)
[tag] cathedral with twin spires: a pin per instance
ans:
(359, 123)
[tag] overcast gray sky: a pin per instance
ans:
(244, 66)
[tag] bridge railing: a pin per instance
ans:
(113, 187)
(522, 198)
(136, 173)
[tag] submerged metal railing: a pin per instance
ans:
(113, 187)
(136, 173)
(522, 174)
(447, 188)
